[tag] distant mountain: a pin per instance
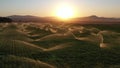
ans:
(95, 19)
(92, 16)
(29, 18)
(26, 18)
(89, 19)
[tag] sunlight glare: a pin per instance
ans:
(65, 12)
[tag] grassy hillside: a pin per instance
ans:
(46, 45)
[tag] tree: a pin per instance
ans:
(5, 19)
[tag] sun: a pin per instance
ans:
(65, 12)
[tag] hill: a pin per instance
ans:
(48, 45)
(82, 20)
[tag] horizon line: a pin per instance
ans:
(56, 16)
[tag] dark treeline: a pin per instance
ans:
(5, 19)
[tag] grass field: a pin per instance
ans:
(48, 45)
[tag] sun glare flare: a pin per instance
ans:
(65, 12)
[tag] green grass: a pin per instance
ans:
(36, 46)
(12, 61)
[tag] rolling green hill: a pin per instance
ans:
(34, 45)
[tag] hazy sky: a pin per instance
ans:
(106, 8)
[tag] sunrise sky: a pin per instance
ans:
(43, 8)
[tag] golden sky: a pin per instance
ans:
(43, 8)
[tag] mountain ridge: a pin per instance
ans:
(92, 18)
